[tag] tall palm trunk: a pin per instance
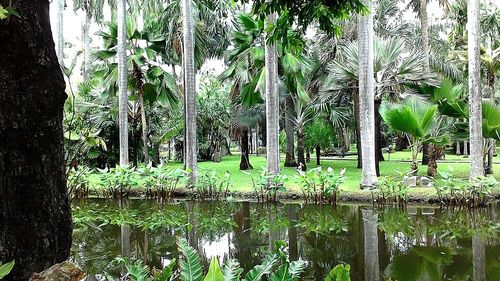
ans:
(367, 98)
(59, 31)
(475, 97)
(272, 105)
(355, 97)
(424, 29)
(87, 61)
(191, 151)
(122, 80)
(290, 145)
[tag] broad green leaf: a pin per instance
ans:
(339, 273)
(3, 13)
(232, 270)
(5, 269)
(214, 271)
(256, 273)
(190, 263)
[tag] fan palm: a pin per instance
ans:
(397, 67)
(416, 118)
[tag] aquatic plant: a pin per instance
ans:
(392, 191)
(275, 265)
(320, 186)
(269, 185)
(453, 191)
(212, 186)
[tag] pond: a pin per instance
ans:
(415, 243)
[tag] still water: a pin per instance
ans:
(416, 243)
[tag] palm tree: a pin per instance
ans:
(272, 104)
(59, 32)
(416, 118)
(367, 97)
(122, 80)
(92, 9)
(190, 151)
(420, 7)
(475, 97)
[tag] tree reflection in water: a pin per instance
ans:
(413, 244)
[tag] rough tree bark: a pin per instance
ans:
(367, 97)
(355, 97)
(475, 97)
(87, 55)
(35, 218)
(191, 155)
(318, 155)
(290, 145)
(59, 30)
(122, 81)
(272, 105)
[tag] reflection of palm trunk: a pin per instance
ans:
(125, 240)
(371, 258)
(292, 233)
(192, 235)
(274, 234)
(478, 258)
(146, 246)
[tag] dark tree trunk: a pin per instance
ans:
(35, 216)
(402, 142)
(318, 155)
(301, 149)
(355, 97)
(245, 160)
(378, 136)
(432, 164)
(425, 154)
(290, 146)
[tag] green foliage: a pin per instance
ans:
(212, 185)
(340, 272)
(159, 181)
(452, 190)
(320, 186)
(190, 265)
(232, 270)
(214, 271)
(276, 266)
(392, 191)
(5, 269)
(305, 12)
(269, 185)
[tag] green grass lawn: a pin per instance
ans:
(242, 180)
